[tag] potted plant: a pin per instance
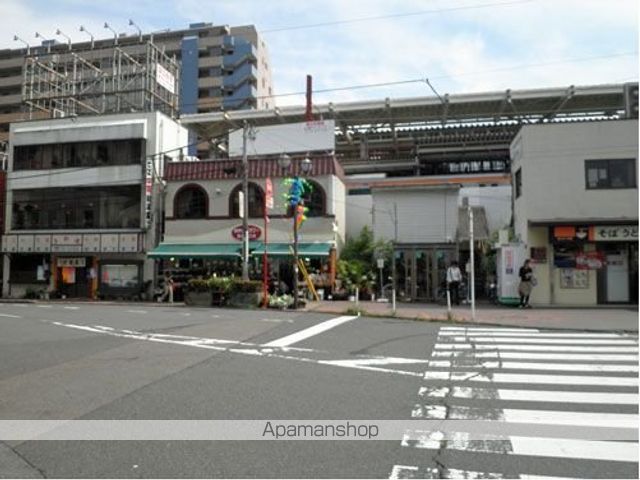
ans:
(220, 288)
(245, 293)
(198, 293)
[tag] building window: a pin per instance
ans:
(605, 174)
(314, 201)
(191, 201)
(76, 208)
(79, 154)
(518, 181)
(256, 201)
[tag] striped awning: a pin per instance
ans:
(191, 250)
(312, 250)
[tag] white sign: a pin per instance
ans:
(71, 261)
(380, 262)
(615, 233)
(165, 79)
(290, 137)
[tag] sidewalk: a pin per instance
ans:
(593, 318)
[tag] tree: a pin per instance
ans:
(358, 264)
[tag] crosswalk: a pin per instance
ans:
(566, 405)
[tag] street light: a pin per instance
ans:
(16, 38)
(82, 29)
(38, 35)
(133, 24)
(59, 32)
(115, 34)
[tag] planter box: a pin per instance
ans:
(198, 299)
(241, 299)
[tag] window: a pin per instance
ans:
(518, 182)
(78, 154)
(314, 200)
(605, 174)
(191, 201)
(77, 208)
(256, 201)
(24, 268)
(120, 275)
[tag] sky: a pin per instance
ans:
(461, 46)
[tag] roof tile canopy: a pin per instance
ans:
(258, 168)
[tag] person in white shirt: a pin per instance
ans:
(454, 276)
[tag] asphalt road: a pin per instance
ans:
(123, 362)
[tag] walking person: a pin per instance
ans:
(454, 276)
(527, 282)
(168, 288)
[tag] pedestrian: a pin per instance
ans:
(527, 281)
(168, 288)
(453, 282)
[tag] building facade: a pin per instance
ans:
(576, 210)
(221, 67)
(203, 221)
(83, 203)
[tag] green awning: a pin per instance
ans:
(286, 249)
(196, 250)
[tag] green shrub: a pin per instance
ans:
(220, 284)
(246, 286)
(198, 285)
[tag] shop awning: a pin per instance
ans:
(304, 249)
(199, 250)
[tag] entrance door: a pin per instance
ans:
(441, 259)
(617, 277)
(422, 282)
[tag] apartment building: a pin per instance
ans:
(576, 210)
(84, 203)
(221, 68)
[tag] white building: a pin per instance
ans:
(82, 205)
(576, 210)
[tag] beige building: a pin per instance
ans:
(576, 210)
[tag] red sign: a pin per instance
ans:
(255, 232)
(268, 194)
(590, 260)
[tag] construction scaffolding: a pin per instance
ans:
(94, 82)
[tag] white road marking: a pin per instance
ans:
(533, 446)
(532, 348)
(43, 306)
(136, 311)
(375, 361)
(186, 314)
(469, 334)
(277, 320)
(215, 316)
(9, 315)
(486, 329)
(532, 378)
(518, 415)
(567, 367)
(225, 346)
(559, 396)
(309, 332)
(537, 356)
(71, 308)
(402, 471)
(585, 341)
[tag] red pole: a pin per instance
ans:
(309, 111)
(265, 273)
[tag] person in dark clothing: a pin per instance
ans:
(526, 284)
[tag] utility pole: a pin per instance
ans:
(245, 200)
(472, 279)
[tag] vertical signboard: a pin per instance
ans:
(148, 190)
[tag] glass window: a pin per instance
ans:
(120, 276)
(191, 202)
(256, 201)
(606, 174)
(77, 208)
(79, 154)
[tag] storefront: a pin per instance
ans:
(586, 264)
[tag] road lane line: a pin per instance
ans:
(137, 311)
(43, 306)
(9, 315)
(532, 348)
(567, 367)
(532, 378)
(71, 308)
(403, 471)
(533, 335)
(536, 356)
(552, 396)
(487, 329)
(309, 332)
(509, 340)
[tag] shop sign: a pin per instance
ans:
(148, 190)
(71, 261)
(255, 232)
(613, 233)
(589, 260)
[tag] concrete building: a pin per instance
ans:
(83, 203)
(576, 210)
(222, 67)
(203, 218)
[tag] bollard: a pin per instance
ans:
(357, 296)
(393, 301)
(448, 302)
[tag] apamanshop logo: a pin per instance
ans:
(320, 430)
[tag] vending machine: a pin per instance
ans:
(509, 259)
